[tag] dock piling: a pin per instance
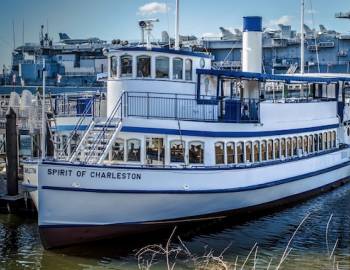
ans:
(11, 153)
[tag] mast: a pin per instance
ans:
(177, 17)
(43, 116)
(302, 38)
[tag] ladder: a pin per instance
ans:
(62, 152)
(99, 138)
(292, 69)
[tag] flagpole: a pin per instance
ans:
(43, 116)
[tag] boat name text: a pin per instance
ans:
(95, 174)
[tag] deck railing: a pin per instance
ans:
(189, 107)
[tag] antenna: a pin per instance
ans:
(302, 38)
(147, 25)
(23, 32)
(14, 35)
(177, 17)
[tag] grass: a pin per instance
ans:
(176, 255)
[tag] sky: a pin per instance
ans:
(110, 19)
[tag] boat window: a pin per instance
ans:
(300, 143)
(188, 70)
(114, 66)
(240, 152)
(334, 139)
(74, 142)
(126, 66)
(220, 153)
(118, 150)
(329, 140)
(155, 151)
(283, 148)
(315, 142)
(64, 143)
(177, 151)
(143, 66)
(177, 68)
(295, 146)
(230, 152)
(277, 148)
(306, 145)
(324, 138)
(162, 67)
(196, 153)
(320, 142)
(289, 147)
(311, 143)
(134, 150)
(256, 151)
(270, 149)
(248, 151)
(263, 150)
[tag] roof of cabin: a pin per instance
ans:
(287, 78)
(163, 50)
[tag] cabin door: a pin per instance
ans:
(155, 151)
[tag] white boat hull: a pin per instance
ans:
(76, 206)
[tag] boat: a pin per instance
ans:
(184, 142)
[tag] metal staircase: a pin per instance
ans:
(61, 153)
(292, 69)
(99, 138)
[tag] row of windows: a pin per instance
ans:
(263, 150)
(155, 151)
(225, 153)
(180, 69)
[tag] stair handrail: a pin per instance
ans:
(77, 127)
(105, 126)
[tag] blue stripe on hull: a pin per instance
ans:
(229, 190)
(212, 134)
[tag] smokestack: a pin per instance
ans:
(252, 44)
(252, 53)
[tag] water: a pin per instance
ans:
(20, 246)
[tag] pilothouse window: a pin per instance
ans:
(143, 66)
(188, 70)
(162, 67)
(126, 65)
(177, 68)
(114, 66)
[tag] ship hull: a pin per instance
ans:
(75, 209)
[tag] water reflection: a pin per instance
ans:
(20, 245)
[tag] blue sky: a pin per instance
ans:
(108, 19)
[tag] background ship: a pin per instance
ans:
(82, 63)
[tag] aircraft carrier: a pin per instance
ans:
(72, 63)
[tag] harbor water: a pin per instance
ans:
(20, 246)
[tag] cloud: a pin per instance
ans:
(285, 19)
(153, 8)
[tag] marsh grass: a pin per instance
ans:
(176, 255)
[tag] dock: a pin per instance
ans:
(15, 204)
